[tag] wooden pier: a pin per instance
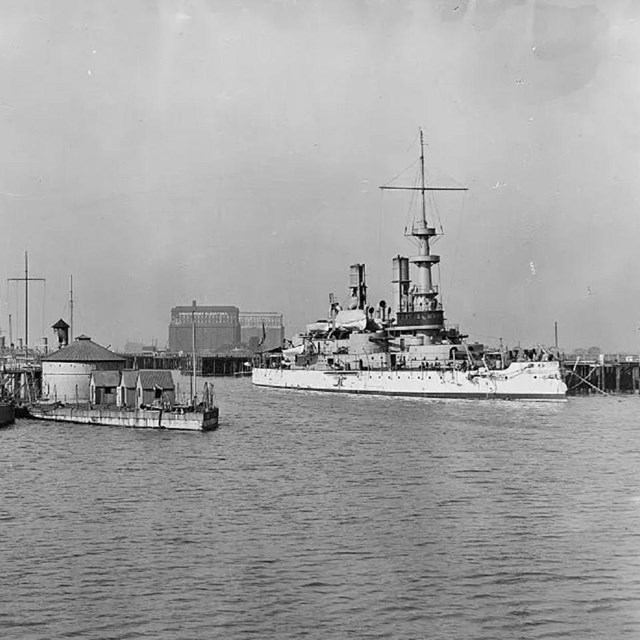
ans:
(206, 364)
(21, 381)
(607, 374)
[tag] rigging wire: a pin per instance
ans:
(409, 166)
(5, 299)
(411, 146)
(17, 318)
(380, 222)
(433, 204)
(386, 184)
(44, 305)
(456, 244)
(411, 211)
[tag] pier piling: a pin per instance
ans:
(609, 374)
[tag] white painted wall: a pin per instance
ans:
(59, 380)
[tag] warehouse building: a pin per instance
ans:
(217, 329)
(261, 330)
(223, 329)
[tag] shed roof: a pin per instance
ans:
(83, 349)
(129, 378)
(152, 378)
(106, 378)
(61, 324)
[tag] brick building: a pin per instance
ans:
(262, 330)
(217, 328)
(221, 329)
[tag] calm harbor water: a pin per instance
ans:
(317, 516)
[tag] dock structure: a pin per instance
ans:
(21, 378)
(607, 374)
(21, 375)
(221, 364)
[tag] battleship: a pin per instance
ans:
(406, 348)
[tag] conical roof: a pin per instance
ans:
(83, 349)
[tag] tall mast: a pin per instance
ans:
(194, 391)
(425, 315)
(71, 312)
(26, 299)
(26, 281)
(425, 295)
(422, 181)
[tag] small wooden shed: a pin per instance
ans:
(103, 386)
(155, 387)
(127, 388)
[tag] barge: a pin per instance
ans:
(181, 418)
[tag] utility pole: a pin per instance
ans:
(26, 281)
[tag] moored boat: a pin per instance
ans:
(406, 348)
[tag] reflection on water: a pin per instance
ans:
(322, 516)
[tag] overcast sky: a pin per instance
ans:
(230, 151)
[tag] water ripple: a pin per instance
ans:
(313, 516)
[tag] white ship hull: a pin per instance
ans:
(520, 381)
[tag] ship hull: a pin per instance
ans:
(7, 414)
(534, 381)
(140, 419)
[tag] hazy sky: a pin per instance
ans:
(231, 152)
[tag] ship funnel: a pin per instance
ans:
(357, 287)
(401, 282)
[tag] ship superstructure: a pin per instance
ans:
(406, 348)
